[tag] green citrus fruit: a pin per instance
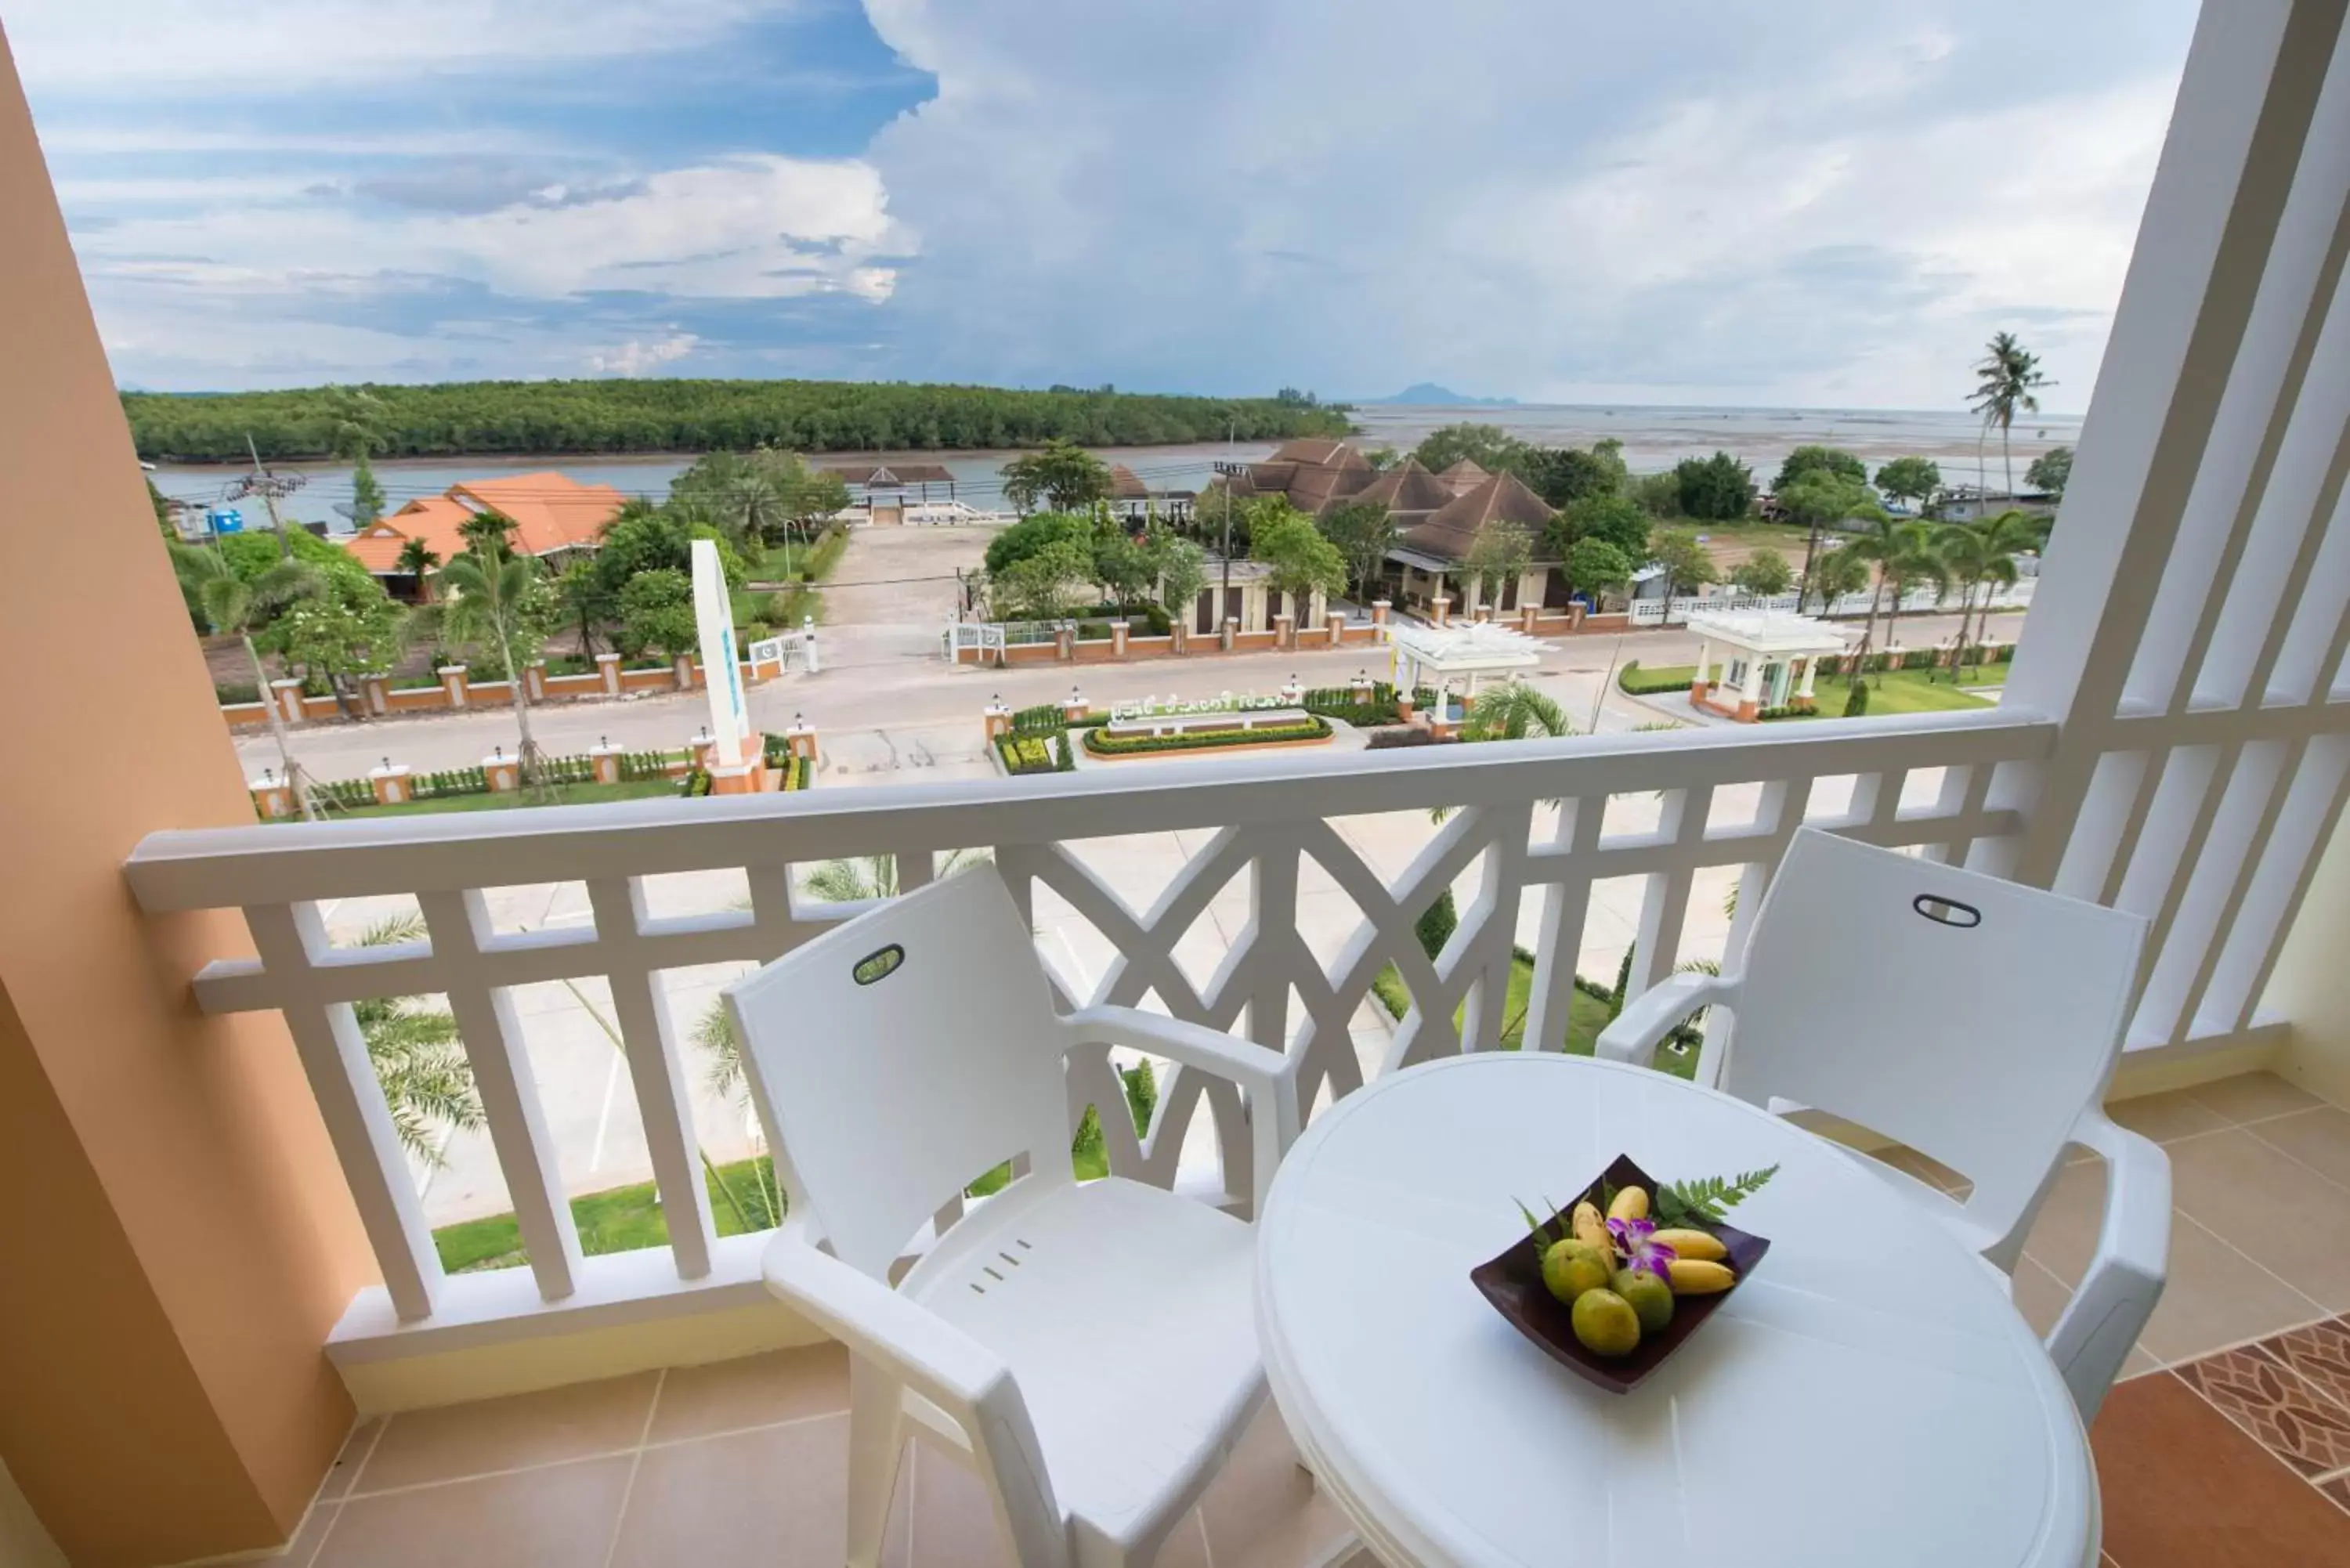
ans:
(1572, 1267)
(1605, 1323)
(1651, 1298)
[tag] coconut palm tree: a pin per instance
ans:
(418, 1060)
(416, 558)
(2007, 383)
(1984, 552)
(238, 607)
(1912, 560)
(491, 601)
(1870, 548)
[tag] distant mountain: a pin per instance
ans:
(1428, 394)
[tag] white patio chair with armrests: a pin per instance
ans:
(1977, 1021)
(1091, 1347)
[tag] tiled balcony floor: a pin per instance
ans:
(738, 1462)
(2229, 1443)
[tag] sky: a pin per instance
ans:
(1810, 203)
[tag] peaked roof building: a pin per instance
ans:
(1438, 515)
(1445, 535)
(552, 513)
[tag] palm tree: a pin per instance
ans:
(418, 1060)
(751, 504)
(416, 557)
(1511, 711)
(2007, 383)
(237, 607)
(1912, 559)
(1516, 712)
(488, 604)
(1980, 553)
(488, 532)
(1870, 549)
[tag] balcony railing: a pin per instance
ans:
(1527, 829)
(2174, 738)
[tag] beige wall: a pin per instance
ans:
(179, 1239)
(2311, 986)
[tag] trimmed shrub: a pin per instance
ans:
(1339, 702)
(1403, 735)
(1025, 753)
(1100, 744)
(228, 691)
(1065, 761)
(1855, 702)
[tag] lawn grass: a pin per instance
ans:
(1587, 1015)
(618, 1220)
(1894, 691)
(560, 794)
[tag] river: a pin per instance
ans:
(1653, 438)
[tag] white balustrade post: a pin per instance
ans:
(289, 939)
(656, 1070)
(461, 927)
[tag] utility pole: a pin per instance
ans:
(269, 487)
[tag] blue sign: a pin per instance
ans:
(224, 520)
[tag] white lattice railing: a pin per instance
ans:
(1720, 799)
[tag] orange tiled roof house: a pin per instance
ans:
(554, 517)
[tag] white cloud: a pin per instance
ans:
(1834, 202)
(122, 44)
(636, 356)
(759, 227)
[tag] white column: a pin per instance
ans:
(1811, 664)
(1704, 660)
(1751, 689)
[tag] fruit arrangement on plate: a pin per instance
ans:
(1617, 1279)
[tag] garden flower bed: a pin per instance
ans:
(1101, 743)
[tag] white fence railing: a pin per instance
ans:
(1529, 832)
(1916, 601)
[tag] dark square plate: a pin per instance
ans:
(1514, 1283)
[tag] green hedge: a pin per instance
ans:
(228, 691)
(1101, 745)
(636, 765)
(1339, 702)
(1917, 658)
(1029, 753)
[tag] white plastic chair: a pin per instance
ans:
(1977, 1021)
(1092, 1347)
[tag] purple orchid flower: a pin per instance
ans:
(1635, 1238)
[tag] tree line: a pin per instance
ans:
(482, 418)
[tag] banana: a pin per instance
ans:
(1632, 1203)
(1589, 1227)
(1699, 1277)
(1694, 1245)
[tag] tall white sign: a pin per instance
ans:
(713, 617)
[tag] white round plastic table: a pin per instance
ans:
(1868, 1398)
